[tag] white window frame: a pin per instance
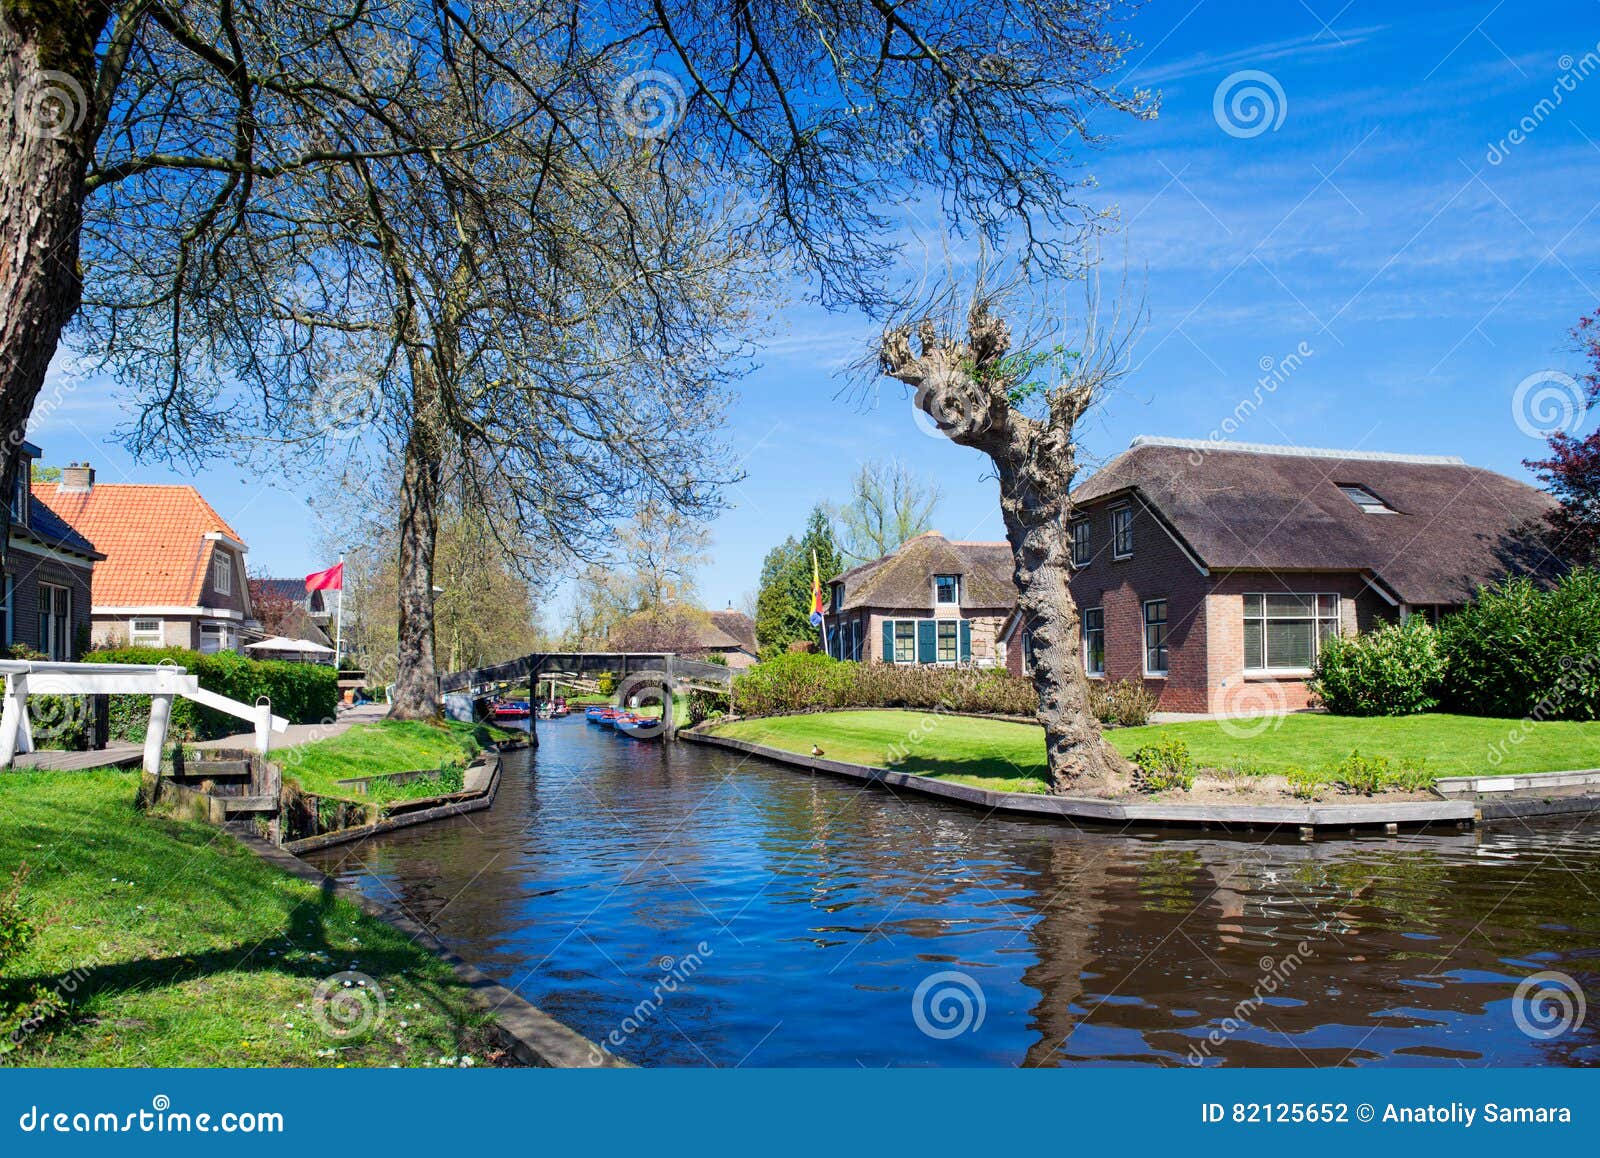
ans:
(1144, 637)
(1083, 632)
(222, 573)
(1317, 618)
(1085, 540)
(956, 582)
(137, 638)
(1119, 516)
(226, 633)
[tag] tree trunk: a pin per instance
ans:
(47, 83)
(416, 691)
(965, 387)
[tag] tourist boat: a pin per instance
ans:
(639, 727)
(510, 710)
(558, 707)
(605, 717)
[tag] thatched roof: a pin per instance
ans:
(737, 627)
(904, 578)
(1247, 506)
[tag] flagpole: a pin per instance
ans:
(338, 623)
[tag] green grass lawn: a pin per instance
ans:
(1009, 757)
(175, 946)
(385, 746)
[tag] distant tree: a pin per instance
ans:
(783, 604)
(46, 474)
(647, 590)
(1572, 472)
(891, 504)
(272, 607)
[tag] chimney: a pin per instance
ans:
(77, 479)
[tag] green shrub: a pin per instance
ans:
(1125, 703)
(1163, 765)
(607, 684)
(1396, 670)
(801, 681)
(1520, 651)
(301, 693)
(1303, 782)
(1360, 774)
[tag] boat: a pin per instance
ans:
(639, 727)
(558, 708)
(605, 717)
(593, 714)
(510, 710)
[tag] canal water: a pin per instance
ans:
(691, 907)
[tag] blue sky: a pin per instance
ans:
(1384, 219)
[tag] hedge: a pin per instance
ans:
(301, 693)
(1396, 670)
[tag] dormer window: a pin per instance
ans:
(947, 590)
(1368, 502)
(19, 493)
(222, 573)
(838, 597)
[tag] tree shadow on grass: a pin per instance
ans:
(87, 988)
(986, 768)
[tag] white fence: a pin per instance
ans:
(161, 682)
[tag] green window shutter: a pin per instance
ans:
(888, 641)
(927, 641)
(966, 641)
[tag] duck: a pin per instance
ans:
(816, 751)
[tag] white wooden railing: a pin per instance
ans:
(161, 682)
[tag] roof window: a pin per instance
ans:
(1368, 502)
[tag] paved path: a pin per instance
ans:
(306, 733)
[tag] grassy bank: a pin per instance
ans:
(387, 746)
(1009, 757)
(175, 946)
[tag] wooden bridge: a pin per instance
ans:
(655, 675)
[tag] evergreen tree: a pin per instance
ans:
(783, 605)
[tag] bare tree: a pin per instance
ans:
(983, 394)
(892, 503)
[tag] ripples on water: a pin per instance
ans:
(710, 910)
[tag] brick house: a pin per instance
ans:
(48, 575)
(173, 571)
(1211, 571)
(932, 601)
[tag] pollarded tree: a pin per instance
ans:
(984, 395)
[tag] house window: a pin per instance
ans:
(215, 637)
(55, 622)
(1368, 502)
(838, 597)
(1080, 543)
(1122, 532)
(905, 641)
(1094, 641)
(145, 633)
(1155, 637)
(1027, 651)
(946, 590)
(222, 573)
(19, 493)
(1282, 633)
(8, 608)
(949, 641)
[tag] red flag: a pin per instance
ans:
(330, 580)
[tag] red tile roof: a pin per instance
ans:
(153, 537)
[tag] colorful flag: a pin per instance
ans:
(816, 591)
(330, 580)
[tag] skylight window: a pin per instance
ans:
(1368, 502)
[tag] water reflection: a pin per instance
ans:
(702, 909)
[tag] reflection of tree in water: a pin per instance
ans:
(1412, 949)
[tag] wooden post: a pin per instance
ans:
(155, 736)
(669, 701)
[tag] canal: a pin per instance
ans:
(692, 907)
